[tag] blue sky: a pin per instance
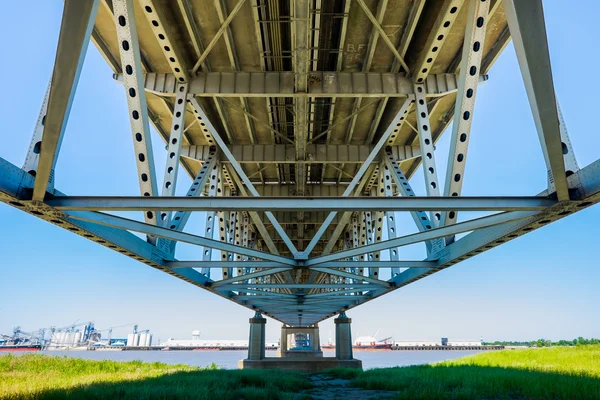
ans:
(543, 284)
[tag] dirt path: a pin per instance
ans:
(329, 388)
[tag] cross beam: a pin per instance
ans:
(186, 203)
(283, 84)
(286, 154)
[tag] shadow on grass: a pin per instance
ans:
(473, 382)
(205, 384)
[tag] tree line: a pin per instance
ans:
(580, 341)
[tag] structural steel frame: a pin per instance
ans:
(324, 242)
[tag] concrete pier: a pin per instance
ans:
(343, 338)
(300, 348)
(300, 341)
(256, 342)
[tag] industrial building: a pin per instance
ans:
(197, 343)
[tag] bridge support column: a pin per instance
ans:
(256, 343)
(300, 341)
(343, 338)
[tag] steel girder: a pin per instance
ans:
(366, 203)
(315, 153)
(283, 84)
(298, 286)
(75, 31)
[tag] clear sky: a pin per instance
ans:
(544, 284)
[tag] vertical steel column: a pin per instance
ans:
(528, 31)
(348, 244)
(365, 237)
(377, 237)
(174, 147)
(133, 80)
(472, 54)
(421, 220)
(223, 228)
(370, 236)
(245, 238)
(233, 237)
(33, 154)
(75, 31)
(427, 150)
(571, 165)
(390, 217)
(355, 241)
(208, 172)
(215, 188)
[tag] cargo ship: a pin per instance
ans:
(20, 347)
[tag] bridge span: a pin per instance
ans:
(301, 124)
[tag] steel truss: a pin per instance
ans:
(300, 250)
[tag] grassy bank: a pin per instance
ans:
(549, 373)
(42, 377)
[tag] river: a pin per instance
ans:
(228, 359)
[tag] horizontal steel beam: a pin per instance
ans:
(353, 286)
(355, 277)
(286, 154)
(185, 203)
(223, 264)
(15, 183)
(252, 275)
(283, 84)
(136, 226)
(466, 226)
(270, 264)
(378, 264)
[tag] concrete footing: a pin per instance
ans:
(302, 365)
(300, 348)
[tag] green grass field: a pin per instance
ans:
(548, 373)
(42, 377)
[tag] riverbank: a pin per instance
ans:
(557, 373)
(547, 373)
(35, 376)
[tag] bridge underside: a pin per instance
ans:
(301, 124)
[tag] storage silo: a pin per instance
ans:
(130, 339)
(149, 342)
